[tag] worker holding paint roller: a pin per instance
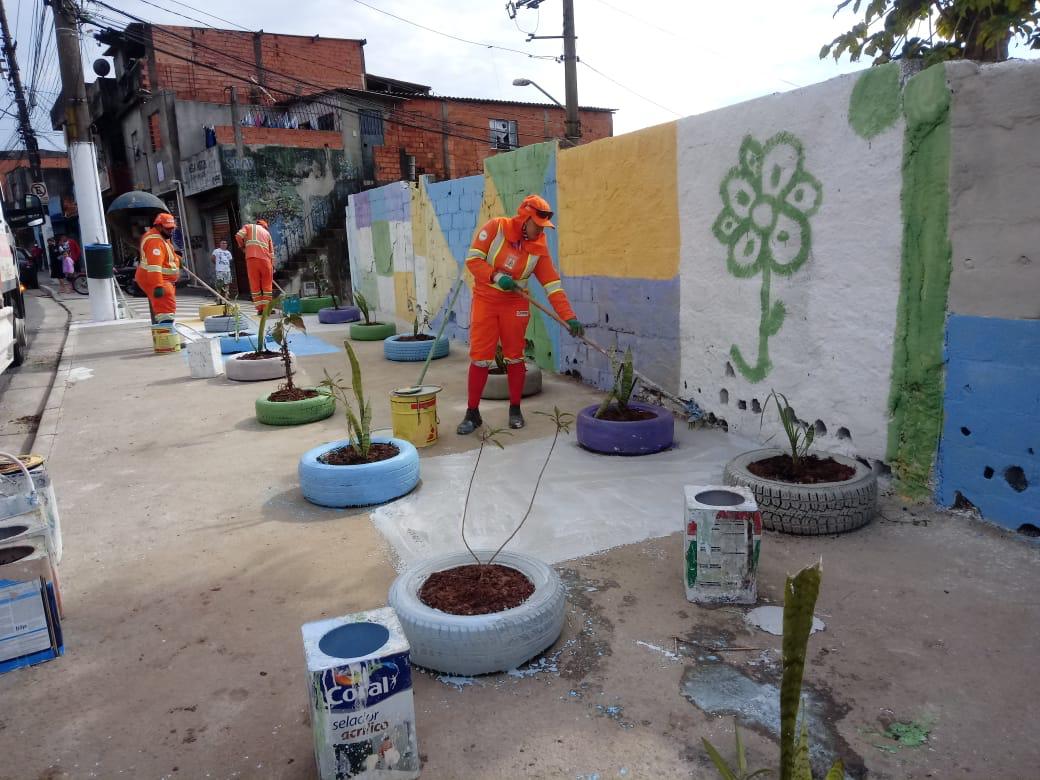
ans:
(159, 267)
(256, 242)
(504, 254)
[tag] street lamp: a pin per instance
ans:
(529, 83)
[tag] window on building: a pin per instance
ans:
(153, 131)
(372, 127)
(503, 133)
(134, 145)
(327, 121)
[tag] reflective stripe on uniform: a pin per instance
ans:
(474, 252)
(553, 287)
(150, 268)
(496, 247)
(532, 261)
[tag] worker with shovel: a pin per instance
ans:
(505, 253)
(159, 267)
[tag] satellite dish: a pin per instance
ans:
(102, 67)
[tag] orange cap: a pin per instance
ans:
(262, 223)
(538, 209)
(166, 220)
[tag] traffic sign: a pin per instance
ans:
(39, 189)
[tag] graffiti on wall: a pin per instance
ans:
(764, 223)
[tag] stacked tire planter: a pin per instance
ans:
(300, 412)
(497, 387)
(375, 331)
(636, 437)
(315, 303)
(362, 485)
(412, 351)
(241, 370)
(479, 644)
(821, 508)
(330, 316)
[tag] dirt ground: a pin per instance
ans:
(191, 561)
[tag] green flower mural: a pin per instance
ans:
(764, 223)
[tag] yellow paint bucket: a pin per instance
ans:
(414, 415)
(165, 338)
(211, 310)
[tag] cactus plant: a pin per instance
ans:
(624, 383)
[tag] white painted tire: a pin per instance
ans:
(256, 370)
(812, 510)
(480, 644)
(497, 387)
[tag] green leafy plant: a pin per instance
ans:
(562, 421)
(420, 322)
(261, 340)
(358, 410)
(956, 29)
(724, 769)
(800, 594)
(280, 333)
(799, 437)
(624, 383)
(362, 303)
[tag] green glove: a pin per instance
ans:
(577, 329)
(506, 282)
(158, 292)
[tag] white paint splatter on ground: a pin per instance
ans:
(658, 649)
(78, 374)
(771, 620)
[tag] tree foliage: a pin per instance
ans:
(936, 30)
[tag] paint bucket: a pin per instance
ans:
(362, 707)
(205, 358)
(722, 541)
(21, 502)
(414, 415)
(30, 603)
(165, 338)
(291, 304)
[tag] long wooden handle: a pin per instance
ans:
(553, 315)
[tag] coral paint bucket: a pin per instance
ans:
(414, 414)
(165, 338)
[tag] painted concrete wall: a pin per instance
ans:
(807, 242)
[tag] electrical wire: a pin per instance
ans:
(628, 89)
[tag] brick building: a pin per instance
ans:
(15, 178)
(229, 126)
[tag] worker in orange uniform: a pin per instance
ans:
(255, 241)
(159, 267)
(506, 251)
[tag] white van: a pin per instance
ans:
(12, 313)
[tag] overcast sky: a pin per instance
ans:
(657, 60)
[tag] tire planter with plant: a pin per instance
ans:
(242, 342)
(408, 348)
(331, 316)
(244, 368)
(830, 507)
(372, 331)
(314, 303)
(480, 644)
(655, 433)
(295, 412)
(363, 484)
(219, 324)
(497, 387)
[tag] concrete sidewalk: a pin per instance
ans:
(191, 560)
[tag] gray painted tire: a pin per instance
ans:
(300, 412)
(813, 510)
(377, 331)
(362, 485)
(479, 644)
(414, 351)
(256, 370)
(219, 324)
(497, 387)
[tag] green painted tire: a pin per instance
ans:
(294, 412)
(311, 305)
(377, 331)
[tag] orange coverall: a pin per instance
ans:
(256, 242)
(503, 316)
(159, 267)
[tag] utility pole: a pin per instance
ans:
(572, 127)
(82, 155)
(25, 127)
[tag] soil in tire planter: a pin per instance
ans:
(258, 355)
(346, 456)
(814, 470)
(296, 394)
(616, 414)
(420, 337)
(476, 590)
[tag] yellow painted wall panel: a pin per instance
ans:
(618, 206)
(404, 294)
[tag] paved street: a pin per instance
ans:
(191, 561)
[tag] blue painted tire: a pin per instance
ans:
(413, 351)
(229, 345)
(329, 316)
(362, 485)
(640, 437)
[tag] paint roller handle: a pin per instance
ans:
(444, 324)
(557, 318)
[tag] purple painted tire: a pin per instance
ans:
(641, 437)
(330, 316)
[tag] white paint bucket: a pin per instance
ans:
(204, 358)
(721, 544)
(362, 710)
